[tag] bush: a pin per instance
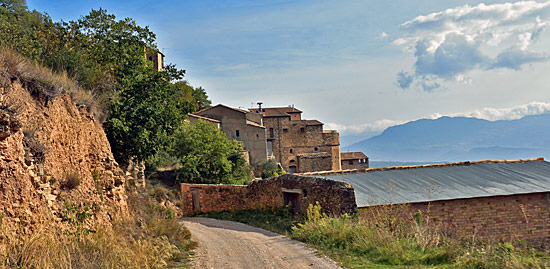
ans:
(207, 156)
(271, 168)
(72, 180)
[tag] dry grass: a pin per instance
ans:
(151, 239)
(44, 84)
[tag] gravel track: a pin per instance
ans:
(228, 244)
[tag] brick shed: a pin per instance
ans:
(491, 199)
(335, 197)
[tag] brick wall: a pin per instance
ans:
(335, 197)
(523, 216)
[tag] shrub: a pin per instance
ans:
(72, 180)
(271, 168)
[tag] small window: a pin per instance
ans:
(350, 162)
(290, 150)
(237, 133)
(292, 161)
(305, 193)
(150, 58)
(316, 148)
(302, 130)
(271, 133)
(257, 136)
(285, 130)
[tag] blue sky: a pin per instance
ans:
(358, 66)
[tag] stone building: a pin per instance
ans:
(156, 57)
(488, 199)
(354, 160)
(299, 145)
(240, 125)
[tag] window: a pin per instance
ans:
(316, 149)
(304, 191)
(150, 58)
(292, 161)
(257, 136)
(290, 150)
(302, 130)
(237, 133)
(271, 133)
(285, 130)
(350, 162)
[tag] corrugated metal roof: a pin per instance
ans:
(423, 184)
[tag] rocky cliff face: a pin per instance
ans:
(54, 155)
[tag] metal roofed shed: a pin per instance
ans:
(425, 183)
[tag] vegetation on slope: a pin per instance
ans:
(152, 239)
(387, 242)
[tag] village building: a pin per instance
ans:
(354, 160)
(240, 125)
(488, 199)
(156, 57)
(299, 145)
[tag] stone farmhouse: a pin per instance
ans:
(240, 125)
(354, 160)
(299, 145)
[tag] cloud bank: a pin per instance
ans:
(448, 44)
(491, 114)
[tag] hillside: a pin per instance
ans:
(459, 138)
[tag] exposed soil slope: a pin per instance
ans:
(227, 244)
(53, 154)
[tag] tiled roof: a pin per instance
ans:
(436, 182)
(203, 118)
(313, 122)
(276, 111)
(255, 124)
(352, 155)
(222, 105)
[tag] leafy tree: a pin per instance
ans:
(271, 168)
(207, 156)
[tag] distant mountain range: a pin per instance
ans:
(459, 139)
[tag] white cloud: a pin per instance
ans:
(487, 113)
(449, 43)
(383, 35)
(513, 113)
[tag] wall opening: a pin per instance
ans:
(292, 200)
(237, 133)
(292, 169)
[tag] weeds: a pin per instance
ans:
(72, 180)
(151, 239)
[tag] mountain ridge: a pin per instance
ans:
(459, 138)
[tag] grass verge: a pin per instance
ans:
(356, 242)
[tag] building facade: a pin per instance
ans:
(354, 160)
(156, 57)
(299, 145)
(240, 125)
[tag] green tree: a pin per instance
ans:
(207, 156)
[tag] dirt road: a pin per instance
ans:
(227, 244)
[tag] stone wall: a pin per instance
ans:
(523, 216)
(334, 197)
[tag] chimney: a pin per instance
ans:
(261, 113)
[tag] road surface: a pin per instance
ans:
(227, 244)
